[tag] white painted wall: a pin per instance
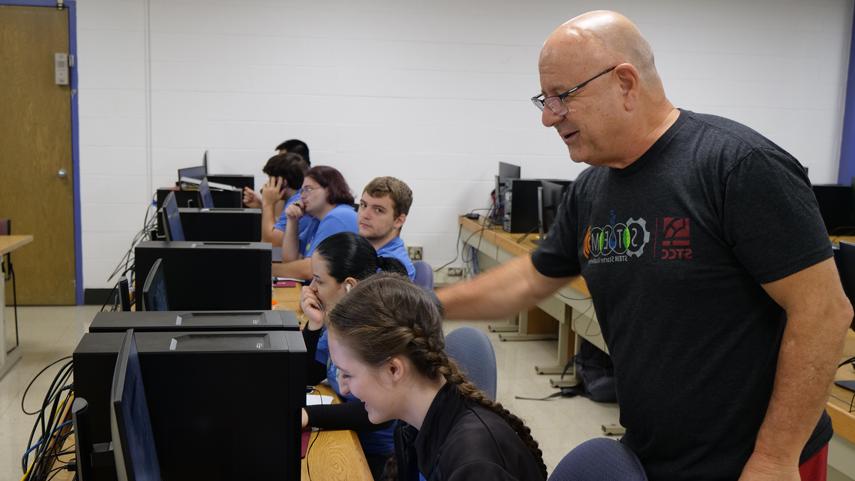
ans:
(435, 93)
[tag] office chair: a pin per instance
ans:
(599, 459)
(9, 273)
(472, 351)
(424, 275)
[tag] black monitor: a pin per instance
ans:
(125, 294)
(551, 197)
(154, 289)
(837, 207)
(130, 425)
(172, 219)
(199, 172)
(205, 194)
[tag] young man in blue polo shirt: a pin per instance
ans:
(383, 210)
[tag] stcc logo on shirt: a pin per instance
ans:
(621, 241)
(676, 239)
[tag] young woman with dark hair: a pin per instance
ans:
(386, 339)
(338, 264)
(326, 198)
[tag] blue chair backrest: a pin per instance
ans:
(424, 275)
(472, 351)
(600, 459)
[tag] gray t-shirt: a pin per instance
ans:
(674, 249)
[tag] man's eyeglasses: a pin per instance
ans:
(555, 103)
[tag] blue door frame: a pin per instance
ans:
(846, 170)
(71, 6)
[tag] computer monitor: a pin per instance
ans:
(125, 294)
(552, 195)
(205, 194)
(199, 172)
(509, 171)
(172, 219)
(134, 450)
(837, 207)
(154, 290)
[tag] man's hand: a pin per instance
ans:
(763, 468)
(251, 198)
(305, 417)
(294, 211)
(272, 192)
(312, 308)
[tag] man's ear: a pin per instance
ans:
(629, 81)
(399, 221)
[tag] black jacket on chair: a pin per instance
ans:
(461, 440)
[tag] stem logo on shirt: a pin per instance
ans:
(676, 239)
(616, 242)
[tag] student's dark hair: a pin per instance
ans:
(351, 255)
(331, 179)
(386, 315)
(396, 189)
(296, 146)
(292, 167)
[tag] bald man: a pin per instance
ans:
(708, 263)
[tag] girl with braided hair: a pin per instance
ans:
(338, 264)
(386, 339)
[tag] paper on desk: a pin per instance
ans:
(315, 399)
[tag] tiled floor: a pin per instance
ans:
(49, 333)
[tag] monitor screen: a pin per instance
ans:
(154, 289)
(509, 171)
(198, 172)
(205, 194)
(553, 194)
(174, 230)
(836, 207)
(133, 439)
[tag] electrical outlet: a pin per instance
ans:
(415, 252)
(455, 272)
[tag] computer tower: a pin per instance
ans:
(166, 321)
(521, 207)
(221, 224)
(190, 199)
(210, 276)
(223, 405)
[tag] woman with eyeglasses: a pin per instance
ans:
(326, 198)
(386, 339)
(339, 263)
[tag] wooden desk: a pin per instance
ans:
(333, 455)
(571, 305)
(9, 355)
(841, 451)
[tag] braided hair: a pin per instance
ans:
(386, 315)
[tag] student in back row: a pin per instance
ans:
(326, 198)
(285, 178)
(382, 213)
